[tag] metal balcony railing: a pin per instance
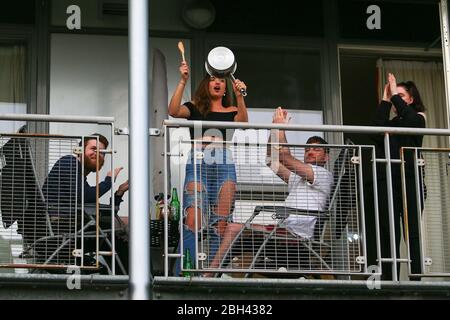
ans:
(339, 243)
(46, 222)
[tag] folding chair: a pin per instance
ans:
(21, 198)
(50, 241)
(274, 248)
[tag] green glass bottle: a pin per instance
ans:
(175, 206)
(187, 263)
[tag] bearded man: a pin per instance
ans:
(64, 188)
(65, 181)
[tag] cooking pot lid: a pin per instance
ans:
(221, 58)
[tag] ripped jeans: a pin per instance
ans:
(210, 173)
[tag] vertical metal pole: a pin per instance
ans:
(83, 141)
(377, 212)
(166, 192)
(363, 214)
(113, 204)
(139, 150)
(405, 207)
(390, 194)
(443, 10)
(196, 201)
(419, 212)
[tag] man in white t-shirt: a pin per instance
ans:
(309, 183)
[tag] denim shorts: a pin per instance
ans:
(215, 167)
(212, 167)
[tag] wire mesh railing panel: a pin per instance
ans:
(435, 218)
(290, 212)
(41, 220)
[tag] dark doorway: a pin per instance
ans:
(359, 93)
(359, 101)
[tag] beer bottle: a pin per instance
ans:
(175, 206)
(187, 263)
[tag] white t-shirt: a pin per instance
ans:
(307, 196)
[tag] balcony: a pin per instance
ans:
(264, 257)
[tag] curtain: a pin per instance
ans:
(12, 100)
(12, 76)
(12, 84)
(429, 79)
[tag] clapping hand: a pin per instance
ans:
(387, 93)
(116, 172)
(122, 189)
(280, 116)
(392, 84)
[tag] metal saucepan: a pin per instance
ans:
(221, 64)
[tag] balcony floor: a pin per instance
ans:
(95, 287)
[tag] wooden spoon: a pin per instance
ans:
(181, 48)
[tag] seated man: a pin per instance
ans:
(65, 182)
(66, 175)
(309, 185)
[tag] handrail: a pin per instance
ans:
(56, 118)
(298, 127)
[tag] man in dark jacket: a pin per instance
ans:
(66, 188)
(66, 182)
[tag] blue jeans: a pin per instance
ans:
(211, 171)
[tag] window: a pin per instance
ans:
(12, 83)
(280, 78)
(405, 22)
